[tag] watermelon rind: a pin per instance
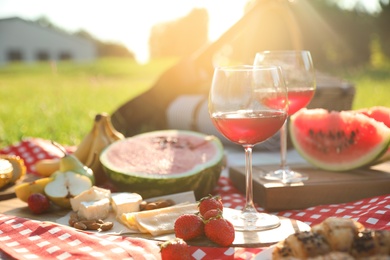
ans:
(338, 141)
(201, 179)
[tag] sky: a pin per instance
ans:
(127, 22)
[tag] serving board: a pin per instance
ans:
(8, 191)
(323, 187)
(263, 238)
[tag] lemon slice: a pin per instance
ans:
(19, 168)
(6, 170)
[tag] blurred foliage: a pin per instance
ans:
(104, 49)
(336, 37)
(107, 49)
(181, 37)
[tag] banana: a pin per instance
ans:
(46, 167)
(25, 189)
(111, 132)
(84, 147)
(101, 141)
(101, 135)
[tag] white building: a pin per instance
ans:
(27, 41)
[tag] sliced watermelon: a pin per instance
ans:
(380, 114)
(338, 141)
(165, 162)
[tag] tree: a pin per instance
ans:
(104, 49)
(382, 25)
(107, 49)
(181, 37)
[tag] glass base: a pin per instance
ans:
(251, 221)
(285, 176)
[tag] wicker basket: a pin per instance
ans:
(332, 93)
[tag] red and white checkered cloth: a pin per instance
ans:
(26, 239)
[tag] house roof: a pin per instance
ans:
(49, 29)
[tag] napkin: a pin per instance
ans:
(28, 239)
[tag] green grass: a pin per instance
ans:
(372, 85)
(59, 103)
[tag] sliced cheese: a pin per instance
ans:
(98, 209)
(157, 221)
(125, 202)
(92, 194)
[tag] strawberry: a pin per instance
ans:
(212, 213)
(189, 226)
(175, 249)
(220, 231)
(209, 202)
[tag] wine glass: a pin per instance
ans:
(247, 105)
(298, 72)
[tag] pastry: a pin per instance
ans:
(302, 245)
(339, 232)
(335, 238)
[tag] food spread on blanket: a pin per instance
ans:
(335, 238)
(73, 186)
(98, 138)
(91, 208)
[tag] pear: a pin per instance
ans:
(24, 190)
(66, 185)
(70, 162)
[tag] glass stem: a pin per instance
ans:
(249, 206)
(283, 149)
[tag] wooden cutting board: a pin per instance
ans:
(323, 187)
(263, 238)
(8, 191)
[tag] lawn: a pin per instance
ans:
(372, 85)
(59, 101)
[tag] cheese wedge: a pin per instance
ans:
(92, 194)
(125, 202)
(157, 221)
(98, 209)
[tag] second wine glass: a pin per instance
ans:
(248, 105)
(299, 76)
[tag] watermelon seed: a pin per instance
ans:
(320, 138)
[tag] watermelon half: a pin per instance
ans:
(165, 162)
(338, 141)
(380, 114)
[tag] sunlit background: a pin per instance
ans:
(130, 22)
(122, 21)
(140, 44)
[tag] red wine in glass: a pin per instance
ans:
(238, 108)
